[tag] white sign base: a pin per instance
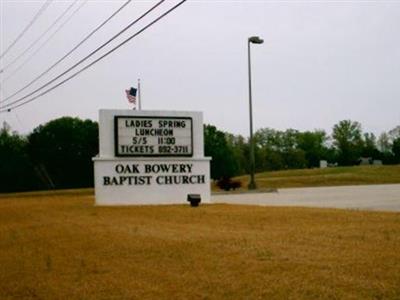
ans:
(150, 181)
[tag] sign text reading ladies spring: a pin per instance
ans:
(153, 136)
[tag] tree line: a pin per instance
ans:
(58, 154)
(293, 149)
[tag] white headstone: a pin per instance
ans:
(323, 164)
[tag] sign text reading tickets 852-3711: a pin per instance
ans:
(153, 136)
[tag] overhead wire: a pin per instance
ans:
(87, 56)
(28, 59)
(69, 52)
(35, 18)
(40, 37)
(2, 109)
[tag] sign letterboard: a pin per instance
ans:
(153, 136)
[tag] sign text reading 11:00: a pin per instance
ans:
(153, 136)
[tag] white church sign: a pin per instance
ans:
(150, 157)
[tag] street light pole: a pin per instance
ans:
(252, 184)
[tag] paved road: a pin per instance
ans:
(367, 197)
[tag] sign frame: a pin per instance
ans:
(116, 140)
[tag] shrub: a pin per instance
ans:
(227, 184)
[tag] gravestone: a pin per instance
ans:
(323, 164)
(150, 157)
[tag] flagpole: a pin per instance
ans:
(139, 95)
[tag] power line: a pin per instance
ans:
(95, 61)
(70, 52)
(46, 41)
(86, 57)
(40, 37)
(35, 18)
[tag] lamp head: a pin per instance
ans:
(255, 40)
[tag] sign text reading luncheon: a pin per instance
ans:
(153, 136)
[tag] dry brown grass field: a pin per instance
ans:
(60, 246)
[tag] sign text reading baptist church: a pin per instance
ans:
(153, 136)
(148, 174)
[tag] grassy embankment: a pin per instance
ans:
(326, 177)
(60, 246)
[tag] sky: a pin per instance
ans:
(321, 62)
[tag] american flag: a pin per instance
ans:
(131, 95)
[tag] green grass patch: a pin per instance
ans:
(356, 175)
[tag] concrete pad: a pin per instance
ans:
(366, 197)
